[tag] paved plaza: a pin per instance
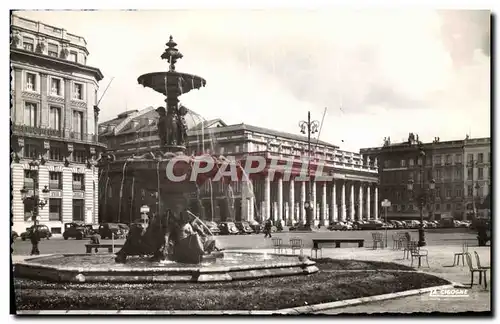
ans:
(442, 244)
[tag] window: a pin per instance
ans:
(458, 174)
(31, 150)
(78, 181)
(55, 153)
(55, 118)
(398, 195)
(30, 114)
(470, 173)
(470, 158)
(428, 161)
(403, 163)
(448, 207)
(236, 148)
(458, 158)
(78, 91)
(55, 87)
(28, 44)
(458, 192)
(458, 206)
(438, 174)
(403, 207)
(30, 82)
(470, 190)
(410, 207)
(437, 160)
(77, 122)
(438, 192)
(448, 158)
(480, 158)
(447, 174)
(73, 57)
(31, 179)
(449, 193)
(55, 180)
(28, 210)
(480, 174)
(419, 161)
(53, 50)
(78, 205)
(438, 207)
(79, 156)
(411, 162)
(55, 209)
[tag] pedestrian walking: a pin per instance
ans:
(35, 239)
(267, 228)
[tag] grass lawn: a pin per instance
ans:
(259, 294)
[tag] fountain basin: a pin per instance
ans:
(227, 266)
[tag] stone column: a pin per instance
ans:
(267, 198)
(351, 202)
(343, 215)
(43, 112)
(368, 194)
(360, 202)
(280, 199)
(291, 211)
(302, 201)
(333, 206)
(66, 113)
(375, 203)
(322, 216)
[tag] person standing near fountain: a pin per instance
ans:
(268, 228)
(35, 239)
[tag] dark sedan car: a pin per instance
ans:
(43, 231)
(107, 230)
(256, 226)
(244, 227)
(228, 228)
(76, 230)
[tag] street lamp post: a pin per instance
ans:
(309, 127)
(422, 195)
(37, 201)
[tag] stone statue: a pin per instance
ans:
(268, 145)
(42, 44)
(64, 51)
(167, 126)
(181, 125)
(16, 39)
(387, 141)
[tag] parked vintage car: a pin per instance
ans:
(43, 231)
(358, 225)
(227, 228)
(14, 235)
(371, 225)
(76, 230)
(244, 227)
(339, 226)
(213, 227)
(106, 230)
(256, 226)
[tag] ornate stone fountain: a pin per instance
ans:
(153, 251)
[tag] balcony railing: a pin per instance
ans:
(78, 186)
(31, 130)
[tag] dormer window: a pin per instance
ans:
(28, 44)
(53, 50)
(73, 56)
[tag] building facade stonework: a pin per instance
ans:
(54, 118)
(351, 194)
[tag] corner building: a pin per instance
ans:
(54, 125)
(351, 195)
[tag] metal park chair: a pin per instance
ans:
(296, 244)
(418, 253)
(457, 255)
(378, 240)
(407, 246)
(478, 261)
(481, 271)
(278, 245)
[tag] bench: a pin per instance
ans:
(96, 247)
(318, 242)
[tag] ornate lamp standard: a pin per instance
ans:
(309, 127)
(422, 195)
(37, 201)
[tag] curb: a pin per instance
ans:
(287, 311)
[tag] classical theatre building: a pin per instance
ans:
(54, 120)
(353, 193)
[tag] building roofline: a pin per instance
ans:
(95, 71)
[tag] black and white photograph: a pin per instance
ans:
(279, 161)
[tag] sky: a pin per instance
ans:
(379, 72)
